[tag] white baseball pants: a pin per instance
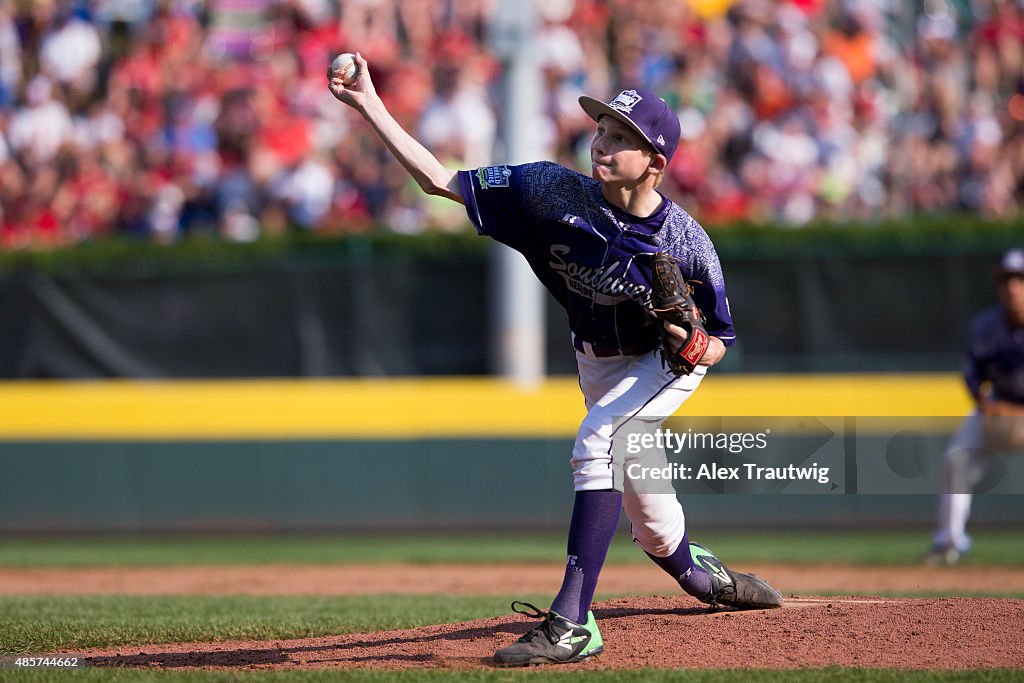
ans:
(627, 394)
(963, 465)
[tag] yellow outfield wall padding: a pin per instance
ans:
(412, 408)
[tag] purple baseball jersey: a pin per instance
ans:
(594, 258)
(995, 354)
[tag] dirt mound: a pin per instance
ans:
(663, 632)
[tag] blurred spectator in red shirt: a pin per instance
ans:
(179, 118)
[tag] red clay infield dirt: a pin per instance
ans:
(482, 579)
(670, 631)
(662, 632)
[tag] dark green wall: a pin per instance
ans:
(814, 300)
(267, 486)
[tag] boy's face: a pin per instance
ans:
(1011, 294)
(618, 154)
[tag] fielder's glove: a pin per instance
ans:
(671, 300)
(1002, 425)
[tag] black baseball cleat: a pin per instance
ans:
(556, 641)
(733, 589)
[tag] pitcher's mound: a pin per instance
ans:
(661, 632)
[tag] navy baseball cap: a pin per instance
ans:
(645, 113)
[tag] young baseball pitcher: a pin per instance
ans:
(594, 243)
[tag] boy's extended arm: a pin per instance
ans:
(429, 173)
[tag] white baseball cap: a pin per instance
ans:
(1012, 263)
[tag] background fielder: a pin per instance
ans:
(994, 373)
(590, 241)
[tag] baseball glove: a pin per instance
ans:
(671, 300)
(1002, 426)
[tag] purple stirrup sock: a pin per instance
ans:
(595, 516)
(692, 579)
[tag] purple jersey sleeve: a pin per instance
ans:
(995, 356)
(495, 203)
(710, 297)
(974, 357)
(703, 270)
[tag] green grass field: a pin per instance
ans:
(39, 624)
(993, 548)
(44, 623)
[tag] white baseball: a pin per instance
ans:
(345, 66)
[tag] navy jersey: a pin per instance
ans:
(995, 354)
(594, 258)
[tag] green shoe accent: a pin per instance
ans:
(556, 641)
(698, 551)
(596, 644)
(732, 588)
(705, 559)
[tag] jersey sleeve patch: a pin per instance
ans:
(491, 177)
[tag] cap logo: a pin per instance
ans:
(661, 139)
(625, 101)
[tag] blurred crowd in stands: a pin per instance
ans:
(159, 119)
